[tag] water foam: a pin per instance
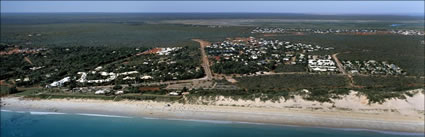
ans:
(101, 115)
(205, 121)
(4, 110)
(45, 113)
(149, 118)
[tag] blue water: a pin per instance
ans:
(396, 25)
(81, 125)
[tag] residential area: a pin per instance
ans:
(265, 30)
(251, 55)
(372, 67)
(178, 69)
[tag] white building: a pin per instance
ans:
(59, 83)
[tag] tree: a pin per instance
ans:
(117, 87)
(184, 89)
(72, 85)
(13, 90)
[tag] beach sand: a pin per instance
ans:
(351, 111)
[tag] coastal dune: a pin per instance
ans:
(350, 111)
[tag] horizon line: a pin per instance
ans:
(393, 14)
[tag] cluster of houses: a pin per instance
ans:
(261, 46)
(167, 51)
(318, 31)
(408, 32)
(269, 30)
(372, 67)
(165, 67)
(26, 79)
(105, 91)
(111, 76)
(327, 31)
(97, 91)
(318, 63)
(149, 67)
(34, 34)
(261, 51)
(36, 68)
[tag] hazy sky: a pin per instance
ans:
(316, 7)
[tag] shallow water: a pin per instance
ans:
(45, 124)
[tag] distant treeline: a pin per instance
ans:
(49, 18)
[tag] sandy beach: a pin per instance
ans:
(351, 111)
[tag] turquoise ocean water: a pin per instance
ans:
(47, 124)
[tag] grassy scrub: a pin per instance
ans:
(378, 88)
(320, 94)
(114, 34)
(62, 95)
(292, 81)
(5, 90)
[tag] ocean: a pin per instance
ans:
(52, 124)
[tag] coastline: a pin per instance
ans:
(388, 121)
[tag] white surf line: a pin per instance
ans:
(5, 110)
(150, 118)
(100, 115)
(204, 121)
(45, 113)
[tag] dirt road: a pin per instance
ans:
(344, 72)
(205, 62)
(28, 60)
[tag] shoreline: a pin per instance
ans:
(256, 115)
(221, 122)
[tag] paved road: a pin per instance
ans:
(205, 62)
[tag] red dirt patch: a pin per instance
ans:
(12, 51)
(239, 39)
(3, 83)
(17, 51)
(151, 51)
(269, 35)
(148, 88)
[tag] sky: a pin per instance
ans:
(308, 7)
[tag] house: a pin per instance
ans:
(254, 57)
(173, 93)
(146, 77)
(98, 68)
(119, 92)
(101, 91)
(59, 83)
(26, 79)
(128, 78)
